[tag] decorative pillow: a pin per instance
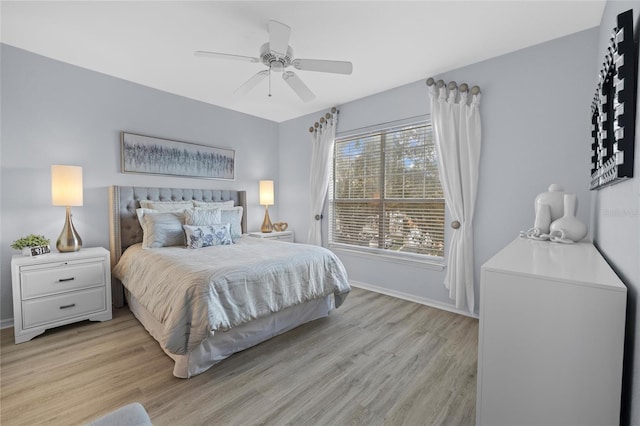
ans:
(207, 236)
(163, 229)
(232, 215)
(140, 213)
(166, 206)
(202, 217)
(213, 204)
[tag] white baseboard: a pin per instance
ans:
(6, 323)
(412, 298)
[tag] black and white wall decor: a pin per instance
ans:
(614, 108)
(158, 156)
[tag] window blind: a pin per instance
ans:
(385, 192)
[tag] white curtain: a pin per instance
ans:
(456, 124)
(323, 139)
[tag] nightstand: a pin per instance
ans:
(55, 289)
(280, 236)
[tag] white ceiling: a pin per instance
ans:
(390, 43)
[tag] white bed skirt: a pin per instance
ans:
(224, 344)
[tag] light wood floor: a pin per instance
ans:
(376, 360)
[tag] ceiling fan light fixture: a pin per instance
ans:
(277, 55)
(277, 66)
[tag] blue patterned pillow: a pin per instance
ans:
(208, 235)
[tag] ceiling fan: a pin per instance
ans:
(277, 55)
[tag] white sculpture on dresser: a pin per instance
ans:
(568, 227)
(556, 217)
(548, 207)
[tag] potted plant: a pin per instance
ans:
(32, 245)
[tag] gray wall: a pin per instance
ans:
(615, 214)
(56, 113)
(536, 127)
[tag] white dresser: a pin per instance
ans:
(59, 288)
(552, 320)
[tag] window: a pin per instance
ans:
(385, 193)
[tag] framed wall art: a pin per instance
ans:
(613, 110)
(158, 156)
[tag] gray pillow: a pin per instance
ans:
(163, 230)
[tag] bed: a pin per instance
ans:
(222, 299)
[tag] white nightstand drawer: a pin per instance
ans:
(275, 235)
(37, 281)
(62, 306)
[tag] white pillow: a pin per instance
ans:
(232, 215)
(202, 217)
(162, 229)
(140, 213)
(213, 204)
(207, 236)
(166, 206)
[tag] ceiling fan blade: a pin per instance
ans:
(251, 83)
(279, 34)
(225, 56)
(337, 67)
(298, 86)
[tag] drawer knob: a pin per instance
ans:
(61, 280)
(68, 306)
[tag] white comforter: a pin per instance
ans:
(194, 293)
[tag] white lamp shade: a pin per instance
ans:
(66, 185)
(266, 192)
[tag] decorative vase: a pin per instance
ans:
(569, 226)
(543, 218)
(554, 198)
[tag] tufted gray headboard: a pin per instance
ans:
(125, 230)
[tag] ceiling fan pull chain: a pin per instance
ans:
(269, 80)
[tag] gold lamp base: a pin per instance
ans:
(69, 240)
(266, 223)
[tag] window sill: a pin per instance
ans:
(398, 258)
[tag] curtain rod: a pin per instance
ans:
(365, 130)
(327, 116)
(453, 85)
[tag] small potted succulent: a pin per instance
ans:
(32, 245)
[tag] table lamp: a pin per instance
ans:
(66, 190)
(266, 200)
